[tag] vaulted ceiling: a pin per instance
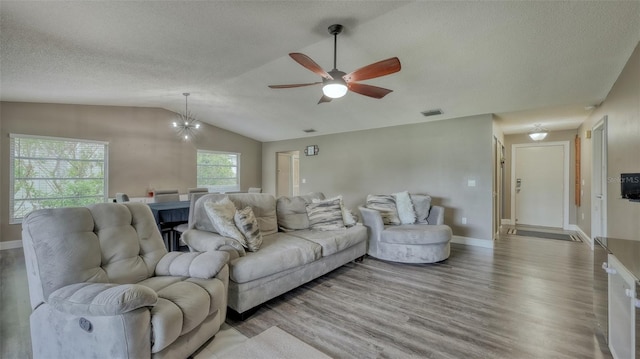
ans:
(527, 62)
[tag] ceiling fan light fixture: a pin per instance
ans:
(334, 89)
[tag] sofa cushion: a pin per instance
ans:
(325, 215)
(221, 214)
(247, 223)
(334, 241)
(422, 206)
(416, 234)
(292, 212)
(279, 251)
(386, 205)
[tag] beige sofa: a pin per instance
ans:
(291, 254)
(102, 285)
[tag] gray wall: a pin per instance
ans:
(144, 151)
(511, 140)
(622, 106)
(436, 158)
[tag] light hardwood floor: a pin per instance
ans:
(526, 298)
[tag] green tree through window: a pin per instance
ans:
(218, 171)
(55, 172)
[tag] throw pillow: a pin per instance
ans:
(386, 205)
(247, 223)
(405, 208)
(347, 217)
(422, 206)
(325, 215)
(221, 214)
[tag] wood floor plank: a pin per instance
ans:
(525, 298)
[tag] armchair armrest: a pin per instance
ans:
(204, 241)
(436, 215)
(204, 265)
(372, 220)
(102, 299)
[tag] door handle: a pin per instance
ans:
(599, 196)
(606, 268)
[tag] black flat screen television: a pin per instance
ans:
(630, 186)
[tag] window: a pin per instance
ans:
(218, 171)
(49, 172)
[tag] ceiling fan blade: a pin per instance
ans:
(293, 85)
(306, 61)
(324, 98)
(368, 90)
(380, 68)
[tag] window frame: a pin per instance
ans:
(12, 158)
(214, 188)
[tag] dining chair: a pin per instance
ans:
(122, 197)
(181, 228)
(254, 190)
(191, 191)
(166, 195)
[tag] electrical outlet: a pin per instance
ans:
(304, 180)
(464, 220)
(582, 215)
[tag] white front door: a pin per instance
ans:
(539, 184)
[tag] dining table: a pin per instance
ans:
(167, 216)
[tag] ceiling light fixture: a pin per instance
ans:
(538, 133)
(186, 124)
(335, 87)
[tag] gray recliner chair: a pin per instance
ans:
(102, 285)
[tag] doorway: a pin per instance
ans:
(287, 173)
(599, 180)
(540, 184)
(498, 182)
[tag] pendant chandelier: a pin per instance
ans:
(186, 124)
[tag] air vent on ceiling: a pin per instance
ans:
(309, 130)
(431, 112)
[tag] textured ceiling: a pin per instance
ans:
(527, 62)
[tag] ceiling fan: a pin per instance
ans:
(336, 83)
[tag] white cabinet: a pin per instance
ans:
(622, 309)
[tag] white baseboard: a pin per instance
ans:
(472, 241)
(582, 235)
(504, 221)
(10, 245)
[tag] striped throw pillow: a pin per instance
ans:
(386, 205)
(325, 215)
(247, 223)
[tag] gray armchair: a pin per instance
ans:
(102, 285)
(409, 243)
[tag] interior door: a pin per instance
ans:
(599, 181)
(283, 175)
(539, 185)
